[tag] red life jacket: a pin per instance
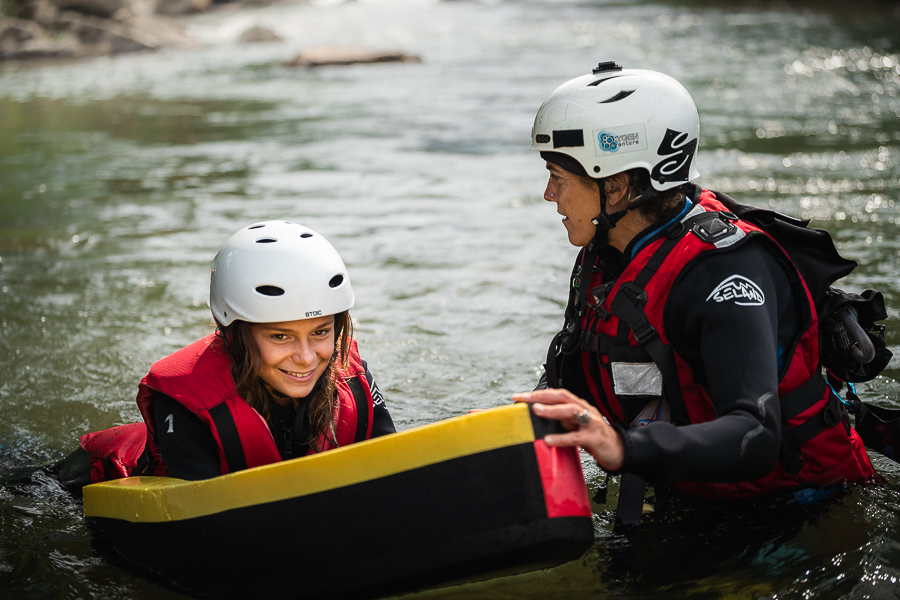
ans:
(199, 377)
(818, 448)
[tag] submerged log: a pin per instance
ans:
(320, 56)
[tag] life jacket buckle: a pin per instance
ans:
(644, 334)
(714, 229)
(635, 294)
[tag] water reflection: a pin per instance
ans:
(119, 178)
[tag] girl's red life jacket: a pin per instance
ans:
(832, 454)
(199, 377)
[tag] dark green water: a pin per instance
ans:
(121, 177)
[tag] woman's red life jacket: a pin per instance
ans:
(819, 448)
(199, 377)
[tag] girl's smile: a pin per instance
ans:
(294, 354)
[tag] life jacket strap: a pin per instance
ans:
(800, 399)
(228, 434)
(362, 408)
(627, 307)
(631, 500)
(796, 402)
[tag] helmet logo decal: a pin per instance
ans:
(313, 313)
(678, 151)
(738, 289)
(608, 142)
(620, 139)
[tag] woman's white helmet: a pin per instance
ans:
(276, 271)
(615, 119)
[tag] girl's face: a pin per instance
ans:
(294, 354)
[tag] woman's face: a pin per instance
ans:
(294, 353)
(577, 199)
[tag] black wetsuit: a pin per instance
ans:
(733, 351)
(190, 452)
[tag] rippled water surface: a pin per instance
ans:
(120, 178)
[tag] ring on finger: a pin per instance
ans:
(582, 417)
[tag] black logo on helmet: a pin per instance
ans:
(678, 152)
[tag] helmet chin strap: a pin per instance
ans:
(603, 223)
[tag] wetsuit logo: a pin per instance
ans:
(678, 152)
(740, 290)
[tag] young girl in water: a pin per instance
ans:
(280, 377)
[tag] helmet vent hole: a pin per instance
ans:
(266, 240)
(306, 235)
(620, 96)
(256, 227)
(270, 290)
(336, 281)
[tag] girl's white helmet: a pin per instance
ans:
(276, 271)
(615, 119)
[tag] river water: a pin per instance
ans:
(120, 178)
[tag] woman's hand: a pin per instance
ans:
(587, 427)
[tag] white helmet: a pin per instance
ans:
(619, 119)
(276, 271)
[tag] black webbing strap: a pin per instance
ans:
(599, 344)
(794, 403)
(228, 436)
(301, 429)
(628, 305)
(631, 499)
(789, 455)
(570, 324)
(803, 397)
(550, 367)
(581, 281)
(831, 414)
(362, 408)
